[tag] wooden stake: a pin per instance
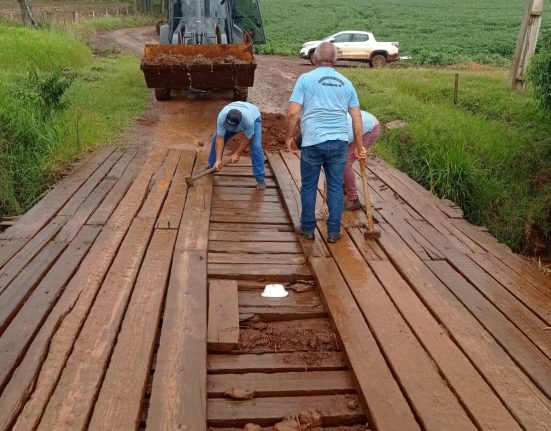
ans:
(456, 88)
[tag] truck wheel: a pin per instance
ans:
(162, 94)
(240, 93)
(378, 61)
(311, 56)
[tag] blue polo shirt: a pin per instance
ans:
(325, 96)
(249, 114)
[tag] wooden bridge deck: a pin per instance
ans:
(103, 306)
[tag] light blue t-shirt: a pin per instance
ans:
(249, 112)
(325, 96)
(369, 121)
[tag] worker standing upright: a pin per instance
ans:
(321, 99)
(234, 118)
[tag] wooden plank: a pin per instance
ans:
(245, 213)
(307, 299)
(291, 197)
(276, 362)
(69, 406)
(248, 227)
(381, 396)
(252, 192)
(471, 388)
(525, 270)
(528, 357)
(521, 397)
(73, 225)
(280, 314)
(247, 218)
(178, 397)
(8, 248)
(334, 410)
(223, 316)
(254, 247)
(276, 259)
(282, 384)
(32, 383)
(435, 404)
(39, 215)
(99, 332)
(226, 181)
(29, 251)
(252, 235)
(19, 334)
(91, 183)
(252, 205)
(120, 400)
(23, 285)
(171, 213)
(524, 318)
(247, 197)
(108, 205)
(241, 171)
(258, 272)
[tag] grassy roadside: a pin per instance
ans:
(57, 101)
(490, 153)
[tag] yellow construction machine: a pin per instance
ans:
(205, 45)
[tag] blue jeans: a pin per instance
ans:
(332, 156)
(257, 155)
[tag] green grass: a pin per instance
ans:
(488, 153)
(106, 95)
(431, 31)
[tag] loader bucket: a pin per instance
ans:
(198, 66)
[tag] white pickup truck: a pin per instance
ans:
(356, 45)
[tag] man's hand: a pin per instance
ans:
(291, 146)
(235, 157)
(362, 155)
(217, 165)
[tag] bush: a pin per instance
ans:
(539, 74)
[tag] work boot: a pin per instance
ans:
(261, 184)
(333, 238)
(352, 204)
(306, 235)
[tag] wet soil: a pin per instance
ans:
(289, 336)
(179, 60)
(273, 134)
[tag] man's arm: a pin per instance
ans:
(219, 150)
(356, 115)
(237, 154)
(291, 121)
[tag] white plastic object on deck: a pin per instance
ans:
(274, 291)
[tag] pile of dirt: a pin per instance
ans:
(291, 336)
(162, 59)
(273, 134)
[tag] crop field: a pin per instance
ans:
(430, 31)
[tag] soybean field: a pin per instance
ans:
(430, 31)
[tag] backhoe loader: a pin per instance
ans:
(204, 45)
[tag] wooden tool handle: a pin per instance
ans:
(211, 170)
(366, 196)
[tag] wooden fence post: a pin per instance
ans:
(456, 88)
(526, 43)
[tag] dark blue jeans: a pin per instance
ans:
(257, 155)
(332, 156)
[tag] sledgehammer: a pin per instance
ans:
(190, 180)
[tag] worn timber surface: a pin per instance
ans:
(104, 306)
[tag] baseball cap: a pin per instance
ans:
(233, 118)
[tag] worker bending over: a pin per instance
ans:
(234, 118)
(371, 130)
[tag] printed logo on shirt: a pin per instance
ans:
(338, 83)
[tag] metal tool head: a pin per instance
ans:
(189, 181)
